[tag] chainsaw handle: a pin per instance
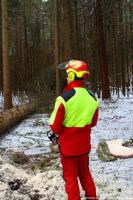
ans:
(52, 136)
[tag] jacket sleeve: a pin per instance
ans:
(95, 118)
(57, 117)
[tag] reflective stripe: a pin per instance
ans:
(80, 109)
(59, 100)
(79, 74)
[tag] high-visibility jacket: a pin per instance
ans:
(75, 112)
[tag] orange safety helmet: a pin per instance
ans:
(75, 67)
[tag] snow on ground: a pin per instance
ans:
(114, 179)
(31, 132)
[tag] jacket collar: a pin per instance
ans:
(73, 84)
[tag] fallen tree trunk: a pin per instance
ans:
(11, 117)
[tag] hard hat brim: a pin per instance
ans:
(63, 65)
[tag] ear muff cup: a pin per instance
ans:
(71, 76)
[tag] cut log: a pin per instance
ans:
(103, 151)
(12, 116)
(117, 150)
(113, 149)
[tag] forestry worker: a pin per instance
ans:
(74, 114)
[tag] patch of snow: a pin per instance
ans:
(31, 132)
(113, 179)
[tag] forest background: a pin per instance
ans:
(37, 35)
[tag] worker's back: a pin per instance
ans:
(80, 107)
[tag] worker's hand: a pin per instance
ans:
(54, 141)
(53, 137)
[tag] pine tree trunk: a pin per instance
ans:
(57, 57)
(122, 47)
(102, 51)
(67, 29)
(6, 67)
(1, 83)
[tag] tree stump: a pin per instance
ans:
(112, 149)
(103, 152)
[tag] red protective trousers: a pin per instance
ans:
(74, 167)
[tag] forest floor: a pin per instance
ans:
(39, 177)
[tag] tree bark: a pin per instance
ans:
(67, 29)
(102, 51)
(57, 57)
(11, 117)
(6, 67)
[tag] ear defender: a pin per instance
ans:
(71, 76)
